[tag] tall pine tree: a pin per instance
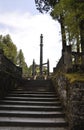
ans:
(21, 62)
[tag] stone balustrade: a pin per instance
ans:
(10, 75)
(7, 66)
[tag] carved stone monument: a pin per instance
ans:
(42, 72)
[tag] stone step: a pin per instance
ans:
(31, 108)
(34, 122)
(33, 114)
(19, 102)
(39, 89)
(31, 98)
(35, 105)
(48, 88)
(32, 128)
(32, 95)
(36, 83)
(31, 92)
(34, 91)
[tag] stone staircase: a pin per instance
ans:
(35, 106)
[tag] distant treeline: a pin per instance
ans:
(10, 51)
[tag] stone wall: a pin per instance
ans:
(72, 97)
(75, 105)
(10, 75)
(7, 82)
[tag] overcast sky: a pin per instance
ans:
(25, 24)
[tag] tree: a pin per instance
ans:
(30, 70)
(73, 12)
(10, 51)
(9, 48)
(21, 62)
(20, 58)
(70, 14)
(48, 6)
(45, 5)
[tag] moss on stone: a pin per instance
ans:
(72, 77)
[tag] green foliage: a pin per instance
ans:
(37, 70)
(10, 51)
(25, 70)
(21, 62)
(20, 58)
(45, 5)
(9, 48)
(75, 77)
(70, 13)
(30, 70)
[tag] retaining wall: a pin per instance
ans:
(72, 97)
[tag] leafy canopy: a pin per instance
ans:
(10, 51)
(9, 48)
(72, 12)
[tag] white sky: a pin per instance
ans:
(25, 24)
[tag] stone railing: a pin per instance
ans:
(60, 65)
(70, 61)
(77, 61)
(10, 75)
(7, 66)
(65, 62)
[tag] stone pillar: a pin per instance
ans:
(41, 54)
(33, 69)
(67, 58)
(48, 67)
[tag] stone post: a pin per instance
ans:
(48, 67)
(41, 54)
(67, 58)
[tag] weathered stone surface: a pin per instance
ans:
(30, 128)
(10, 74)
(72, 97)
